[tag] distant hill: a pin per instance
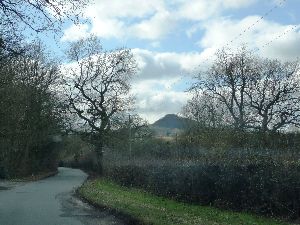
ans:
(171, 121)
(169, 125)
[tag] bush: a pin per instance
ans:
(263, 186)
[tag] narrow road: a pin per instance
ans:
(50, 202)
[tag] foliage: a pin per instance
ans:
(31, 111)
(151, 209)
(240, 171)
(263, 182)
(77, 153)
(227, 137)
(29, 114)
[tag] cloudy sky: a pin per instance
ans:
(172, 40)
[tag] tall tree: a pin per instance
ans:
(274, 95)
(99, 87)
(227, 80)
(257, 93)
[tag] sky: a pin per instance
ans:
(173, 40)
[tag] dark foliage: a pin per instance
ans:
(231, 170)
(29, 114)
(265, 187)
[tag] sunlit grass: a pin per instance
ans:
(151, 209)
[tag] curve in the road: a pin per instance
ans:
(50, 202)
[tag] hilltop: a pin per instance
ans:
(169, 125)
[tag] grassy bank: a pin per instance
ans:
(35, 177)
(151, 209)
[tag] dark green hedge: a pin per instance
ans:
(265, 187)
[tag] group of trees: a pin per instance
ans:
(30, 109)
(247, 92)
(240, 90)
(36, 99)
(28, 112)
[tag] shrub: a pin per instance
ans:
(263, 185)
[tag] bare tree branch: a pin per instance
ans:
(100, 86)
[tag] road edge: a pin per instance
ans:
(126, 218)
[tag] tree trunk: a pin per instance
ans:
(264, 124)
(99, 155)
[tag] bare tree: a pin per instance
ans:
(10, 46)
(274, 95)
(227, 81)
(257, 93)
(207, 112)
(99, 88)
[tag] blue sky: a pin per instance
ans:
(173, 39)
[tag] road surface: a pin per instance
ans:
(50, 202)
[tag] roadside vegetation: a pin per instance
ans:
(32, 111)
(231, 155)
(29, 113)
(151, 209)
(239, 149)
(261, 182)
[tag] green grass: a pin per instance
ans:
(151, 209)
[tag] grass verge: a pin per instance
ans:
(150, 209)
(35, 177)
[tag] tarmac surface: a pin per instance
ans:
(50, 201)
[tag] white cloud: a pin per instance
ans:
(160, 72)
(205, 9)
(123, 9)
(153, 104)
(268, 38)
(136, 18)
(160, 75)
(282, 43)
(170, 65)
(76, 32)
(154, 28)
(150, 20)
(235, 4)
(108, 28)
